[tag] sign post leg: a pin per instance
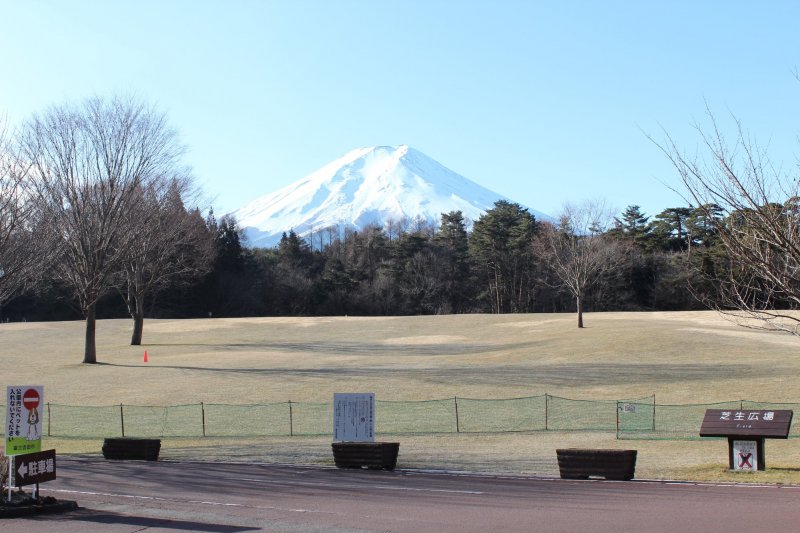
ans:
(730, 453)
(10, 473)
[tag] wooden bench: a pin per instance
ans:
(131, 448)
(577, 463)
(373, 455)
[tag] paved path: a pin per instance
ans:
(135, 496)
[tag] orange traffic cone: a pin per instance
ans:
(146, 359)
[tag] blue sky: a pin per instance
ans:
(543, 102)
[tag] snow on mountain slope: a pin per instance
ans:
(365, 186)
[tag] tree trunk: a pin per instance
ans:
(90, 348)
(579, 301)
(136, 309)
(498, 300)
(138, 328)
(689, 245)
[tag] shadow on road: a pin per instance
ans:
(96, 517)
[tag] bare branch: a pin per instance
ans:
(23, 254)
(759, 277)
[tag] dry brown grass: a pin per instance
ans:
(684, 357)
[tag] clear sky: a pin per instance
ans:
(543, 102)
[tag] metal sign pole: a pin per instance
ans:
(10, 473)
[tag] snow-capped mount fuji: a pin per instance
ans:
(365, 186)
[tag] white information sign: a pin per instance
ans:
(354, 417)
(745, 455)
(23, 419)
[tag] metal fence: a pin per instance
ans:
(638, 418)
(648, 420)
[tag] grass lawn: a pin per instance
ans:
(681, 357)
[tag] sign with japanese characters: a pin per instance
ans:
(23, 422)
(774, 424)
(34, 468)
(354, 417)
(628, 407)
(745, 455)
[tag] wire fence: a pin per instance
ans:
(648, 420)
(640, 418)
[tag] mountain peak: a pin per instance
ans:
(370, 185)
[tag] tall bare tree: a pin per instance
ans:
(88, 162)
(754, 209)
(22, 249)
(578, 251)
(169, 244)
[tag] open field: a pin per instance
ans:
(684, 357)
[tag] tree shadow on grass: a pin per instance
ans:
(585, 374)
(357, 348)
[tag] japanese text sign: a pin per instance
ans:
(354, 417)
(747, 423)
(23, 422)
(745, 455)
(34, 468)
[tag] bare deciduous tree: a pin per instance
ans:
(759, 228)
(168, 245)
(88, 162)
(577, 250)
(22, 251)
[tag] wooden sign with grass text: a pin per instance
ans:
(765, 423)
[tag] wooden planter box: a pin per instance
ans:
(576, 463)
(124, 448)
(375, 455)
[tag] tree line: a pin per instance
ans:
(507, 262)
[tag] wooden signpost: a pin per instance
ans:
(746, 430)
(34, 468)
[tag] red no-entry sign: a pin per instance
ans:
(30, 399)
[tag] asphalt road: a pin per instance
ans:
(131, 496)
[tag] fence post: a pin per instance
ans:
(291, 420)
(654, 411)
(48, 419)
(458, 427)
(617, 419)
(546, 411)
(164, 420)
(122, 419)
(203, 417)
